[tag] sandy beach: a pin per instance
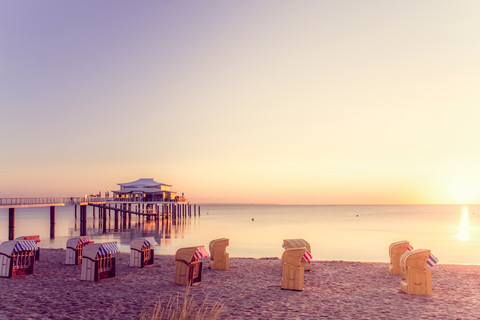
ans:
(249, 290)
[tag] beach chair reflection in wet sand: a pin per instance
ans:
(73, 255)
(299, 243)
(98, 261)
(35, 238)
(188, 266)
(218, 255)
(416, 277)
(395, 251)
(17, 257)
(293, 268)
(141, 252)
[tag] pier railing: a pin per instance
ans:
(5, 202)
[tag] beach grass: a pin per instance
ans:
(185, 308)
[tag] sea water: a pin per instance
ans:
(348, 232)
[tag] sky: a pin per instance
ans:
(285, 102)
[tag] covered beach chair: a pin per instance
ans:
(17, 257)
(141, 252)
(395, 251)
(416, 277)
(293, 268)
(35, 238)
(188, 266)
(73, 255)
(218, 254)
(299, 243)
(98, 261)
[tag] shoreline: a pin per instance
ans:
(250, 289)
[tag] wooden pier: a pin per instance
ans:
(148, 210)
(123, 212)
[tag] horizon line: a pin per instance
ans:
(337, 204)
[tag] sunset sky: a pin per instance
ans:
(288, 102)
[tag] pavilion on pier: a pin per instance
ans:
(146, 190)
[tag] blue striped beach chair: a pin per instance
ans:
(98, 261)
(141, 252)
(17, 257)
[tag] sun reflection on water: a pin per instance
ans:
(463, 231)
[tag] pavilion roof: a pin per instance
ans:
(141, 190)
(143, 183)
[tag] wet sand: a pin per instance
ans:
(250, 289)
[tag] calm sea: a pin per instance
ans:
(353, 232)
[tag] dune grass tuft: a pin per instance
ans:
(184, 309)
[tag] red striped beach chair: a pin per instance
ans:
(299, 243)
(188, 266)
(73, 255)
(293, 268)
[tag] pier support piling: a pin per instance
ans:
(11, 223)
(52, 222)
(104, 216)
(116, 218)
(83, 220)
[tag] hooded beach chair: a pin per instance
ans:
(416, 277)
(98, 261)
(141, 252)
(293, 268)
(188, 266)
(218, 255)
(73, 255)
(395, 251)
(35, 238)
(17, 257)
(299, 243)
